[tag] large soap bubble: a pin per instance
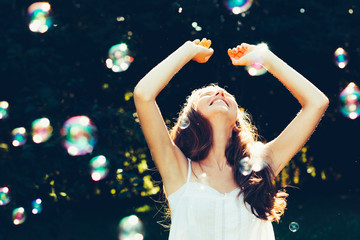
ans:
(350, 101)
(40, 20)
(79, 135)
(119, 59)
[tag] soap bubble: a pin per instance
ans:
(18, 215)
(36, 206)
(256, 69)
(40, 20)
(184, 123)
(294, 226)
(99, 167)
(41, 130)
(119, 59)
(258, 156)
(4, 196)
(245, 166)
(341, 58)
(238, 6)
(131, 228)
(350, 101)
(4, 105)
(19, 136)
(79, 135)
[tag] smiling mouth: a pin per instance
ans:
(222, 100)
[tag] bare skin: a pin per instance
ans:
(171, 162)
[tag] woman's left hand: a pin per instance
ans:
(247, 54)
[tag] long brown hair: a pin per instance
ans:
(195, 141)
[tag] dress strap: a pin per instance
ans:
(189, 171)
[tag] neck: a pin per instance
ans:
(221, 136)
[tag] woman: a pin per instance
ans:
(213, 191)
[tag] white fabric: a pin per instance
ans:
(200, 212)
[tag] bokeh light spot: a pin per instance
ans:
(238, 6)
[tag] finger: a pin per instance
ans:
(230, 52)
(196, 41)
(208, 43)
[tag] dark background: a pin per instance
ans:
(62, 73)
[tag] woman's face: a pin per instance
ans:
(215, 101)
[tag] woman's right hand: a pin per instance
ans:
(203, 50)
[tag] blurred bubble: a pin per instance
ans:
(36, 206)
(119, 59)
(184, 123)
(341, 58)
(41, 130)
(294, 226)
(131, 228)
(350, 101)
(256, 69)
(245, 166)
(99, 167)
(258, 156)
(79, 135)
(40, 20)
(238, 6)
(19, 136)
(18, 215)
(4, 196)
(4, 105)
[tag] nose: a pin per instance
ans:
(220, 92)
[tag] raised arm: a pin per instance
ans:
(168, 158)
(312, 100)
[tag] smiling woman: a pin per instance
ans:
(217, 178)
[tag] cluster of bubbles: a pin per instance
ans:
(4, 196)
(341, 58)
(294, 226)
(99, 167)
(350, 101)
(36, 206)
(119, 59)
(131, 228)
(40, 20)
(184, 122)
(18, 215)
(4, 105)
(79, 135)
(238, 6)
(41, 130)
(19, 136)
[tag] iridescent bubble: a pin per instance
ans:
(245, 166)
(18, 215)
(79, 135)
(4, 196)
(99, 167)
(350, 101)
(341, 58)
(256, 69)
(40, 20)
(131, 228)
(184, 123)
(36, 206)
(4, 105)
(238, 6)
(119, 59)
(19, 136)
(294, 226)
(41, 130)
